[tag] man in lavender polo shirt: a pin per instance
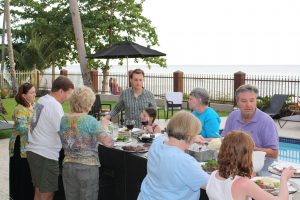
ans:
(249, 118)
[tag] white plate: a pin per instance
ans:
(276, 168)
(124, 129)
(147, 135)
(118, 144)
(292, 187)
(282, 165)
(134, 130)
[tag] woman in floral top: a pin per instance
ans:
(20, 184)
(80, 134)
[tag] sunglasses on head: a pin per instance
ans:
(26, 87)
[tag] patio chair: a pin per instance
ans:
(276, 105)
(4, 124)
(173, 102)
(294, 117)
(97, 111)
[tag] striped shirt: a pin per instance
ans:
(133, 106)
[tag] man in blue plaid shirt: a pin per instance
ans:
(134, 99)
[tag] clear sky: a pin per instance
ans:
(227, 32)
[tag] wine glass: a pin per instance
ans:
(129, 124)
(145, 122)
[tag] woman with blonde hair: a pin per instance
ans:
(80, 134)
(171, 173)
(232, 179)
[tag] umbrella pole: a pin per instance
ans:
(128, 79)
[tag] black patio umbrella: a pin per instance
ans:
(126, 49)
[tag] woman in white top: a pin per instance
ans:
(232, 179)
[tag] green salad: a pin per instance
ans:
(210, 166)
(122, 138)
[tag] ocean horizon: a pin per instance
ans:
(280, 70)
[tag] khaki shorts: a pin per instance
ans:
(44, 172)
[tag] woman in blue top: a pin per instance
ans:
(210, 120)
(172, 173)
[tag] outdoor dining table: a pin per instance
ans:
(121, 175)
(124, 172)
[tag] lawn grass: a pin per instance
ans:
(10, 104)
(223, 113)
(5, 134)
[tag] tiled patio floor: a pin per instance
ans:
(4, 159)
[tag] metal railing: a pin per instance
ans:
(220, 87)
(158, 84)
(270, 85)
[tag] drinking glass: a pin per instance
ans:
(115, 131)
(145, 122)
(129, 124)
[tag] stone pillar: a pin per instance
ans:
(64, 72)
(239, 79)
(94, 77)
(178, 81)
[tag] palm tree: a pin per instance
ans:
(2, 109)
(39, 52)
(77, 26)
(10, 48)
(3, 45)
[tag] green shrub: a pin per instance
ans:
(186, 96)
(263, 102)
(5, 93)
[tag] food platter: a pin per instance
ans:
(135, 148)
(272, 184)
(277, 168)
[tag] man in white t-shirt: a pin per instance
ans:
(43, 140)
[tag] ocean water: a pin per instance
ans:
(282, 70)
